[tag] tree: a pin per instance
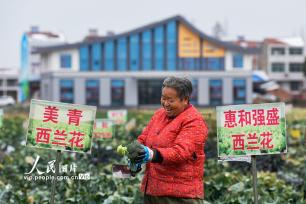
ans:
(219, 30)
(304, 67)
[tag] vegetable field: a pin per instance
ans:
(281, 178)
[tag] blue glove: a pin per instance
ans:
(139, 153)
(144, 156)
(147, 155)
(134, 167)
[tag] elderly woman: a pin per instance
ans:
(172, 146)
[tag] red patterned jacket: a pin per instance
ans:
(180, 141)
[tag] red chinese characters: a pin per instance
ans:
(50, 114)
(60, 136)
(238, 141)
(77, 139)
(43, 135)
(74, 117)
(230, 119)
(266, 140)
(251, 140)
(273, 117)
(117, 114)
(257, 117)
(244, 118)
(104, 124)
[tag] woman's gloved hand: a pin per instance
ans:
(134, 168)
(139, 153)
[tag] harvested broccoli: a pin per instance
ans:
(131, 151)
(134, 149)
(122, 150)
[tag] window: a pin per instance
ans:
(213, 63)
(295, 86)
(122, 54)
(65, 61)
(239, 91)
(134, 53)
(149, 91)
(92, 92)
(146, 50)
(295, 51)
(238, 61)
(171, 46)
(194, 94)
(35, 64)
(159, 48)
(215, 92)
(96, 56)
(117, 92)
(66, 91)
(109, 56)
(296, 67)
(278, 67)
(12, 82)
(277, 51)
(189, 63)
(84, 58)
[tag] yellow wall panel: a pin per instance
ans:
(210, 50)
(189, 43)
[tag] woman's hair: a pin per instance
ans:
(182, 86)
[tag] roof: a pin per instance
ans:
(294, 41)
(180, 19)
(48, 34)
(9, 71)
(260, 76)
(248, 43)
(273, 41)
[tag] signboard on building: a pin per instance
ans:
(210, 50)
(189, 43)
(104, 128)
(1, 118)
(118, 116)
(253, 129)
(60, 126)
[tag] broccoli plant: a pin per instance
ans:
(123, 151)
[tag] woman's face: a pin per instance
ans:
(171, 102)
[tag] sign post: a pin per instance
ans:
(57, 161)
(118, 116)
(250, 130)
(1, 118)
(104, 128)
(254, 175)
(61, 127)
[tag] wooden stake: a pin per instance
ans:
(57, 161)
(254, 174)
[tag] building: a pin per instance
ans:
(252, 44)
(127, 69)
(30, 64)
(282, 59)
(9, 83)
